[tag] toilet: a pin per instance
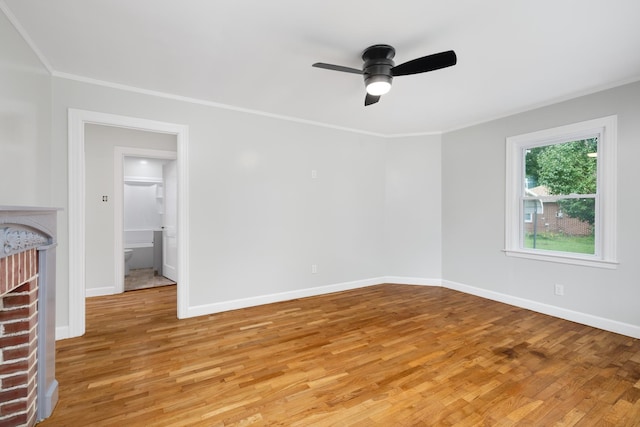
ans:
(128, 253)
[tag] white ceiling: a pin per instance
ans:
(513, 55)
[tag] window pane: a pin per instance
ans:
(562, 169)
(563, 226)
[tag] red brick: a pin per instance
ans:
(14, 270)
(24, 273)
(23, 312)
(31, 362)
(18, 420)
(13, 394)
(28, 286)
(33, 296)
(17, 327)
(34, 262)
(15, 353)
(13, 407)
(19, 267)
(13, 368)
(4, 286)
(33, 370)
(24, 268)
(14, 300)
(14, 380)
(14, 340)
(28, 263)
(31, 388)
(14, 314)
(33, 345)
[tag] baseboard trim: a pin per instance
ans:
(562, 313)
(62, 332)
(201, 310)
(99, 292)
(420, 281)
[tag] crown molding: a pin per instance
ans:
(197, 101)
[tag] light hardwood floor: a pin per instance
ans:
(388, 355)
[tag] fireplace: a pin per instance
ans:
(28, 389)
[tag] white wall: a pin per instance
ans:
(100, 142)
(473, 165)
(25, 122)
(257, 218)
(413, 216)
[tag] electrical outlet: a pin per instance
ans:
(559, 289)
(314, 268)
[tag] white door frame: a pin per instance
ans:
(118, 203)
(76, 121)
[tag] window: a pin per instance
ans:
(561, 194)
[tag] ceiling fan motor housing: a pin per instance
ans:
(378, 62)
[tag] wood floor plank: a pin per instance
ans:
(383, 355)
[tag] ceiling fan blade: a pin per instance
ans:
(337, 68)
(426, 63)
(371, 99)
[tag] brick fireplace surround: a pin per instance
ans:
(28, 390)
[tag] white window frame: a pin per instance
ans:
(605, 224)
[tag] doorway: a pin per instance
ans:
(149, 217)
(76, 213)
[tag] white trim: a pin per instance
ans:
(119, 153)
(606, 221)
(309, 292)
(76, 121)
(608, 182)
(213, 104)
(579, 94)
(99, 292)
(559, 312)
(562, 313)
(420, 281)
(76, 224)
(218, 307)
(561, 257)
(62, 333)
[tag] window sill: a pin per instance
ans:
(563, 258)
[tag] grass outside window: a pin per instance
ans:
(561, 243)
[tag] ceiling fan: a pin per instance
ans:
(379, 69)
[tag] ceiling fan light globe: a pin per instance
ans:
(378, 88)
